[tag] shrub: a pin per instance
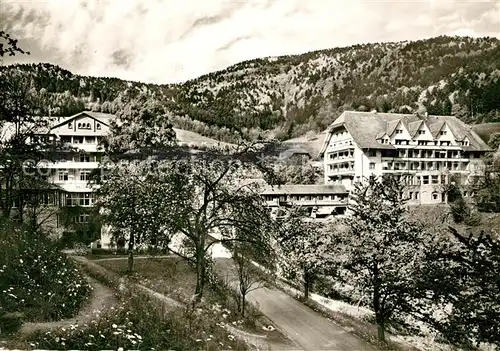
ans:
(81, 249)
(10, 322)
(138, 324)
(35, 278)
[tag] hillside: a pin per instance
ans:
(289, 95)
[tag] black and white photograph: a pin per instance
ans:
(250, 175)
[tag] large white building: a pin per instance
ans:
(70, 174)
(425, 152)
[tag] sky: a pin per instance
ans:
(170, 41)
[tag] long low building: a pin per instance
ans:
(320, 201)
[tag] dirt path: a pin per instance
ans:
(101, 299)
(260, 342)
(307, 328)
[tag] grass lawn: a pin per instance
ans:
(176, 279)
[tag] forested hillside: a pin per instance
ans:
(291, 95)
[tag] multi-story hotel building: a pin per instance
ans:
(425, 152)
(71, 172)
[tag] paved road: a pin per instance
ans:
(306, 328)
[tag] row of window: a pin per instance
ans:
(435, 196)
(84, 175)
(422, 131)
(81, 139)
(304, 197)
(84, 125)
(82, 158)
(79, 199)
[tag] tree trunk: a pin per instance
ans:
(307, 283)
(200, 274)
(381, 331)
(243, 298)
(377, 306)
(131, 254)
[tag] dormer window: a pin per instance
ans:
(83, 125)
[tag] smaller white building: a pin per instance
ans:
(320, 201)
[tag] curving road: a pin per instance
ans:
(306, 328)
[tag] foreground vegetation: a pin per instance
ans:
(138, 323)
(37, 282)
(176, 279)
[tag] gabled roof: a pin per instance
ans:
(413, 127)
(366, 126)
(435, 127)
(391, 126)
(103, 118)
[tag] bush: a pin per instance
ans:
(11, 322)
(81, 249)
(35, 278)
(138, 324)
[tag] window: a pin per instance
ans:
(422, 142)
(79, 199)
(63, 176)
(84, 158)
(435, 196)
(410, 195)
(90, 139)
(399, 131)
(435, 179)
(85, 176)
(66, 139)
(46, 199)
(78, 140)
(372, 165)
(399, 142)
(372, 153)
(70, 125)
(98, 126)
(82, 218)
(443, 132)
(83, 125)
(421, 132)
(425, 179)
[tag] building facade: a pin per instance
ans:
(83, 133)
(425, 152)
(319, 201)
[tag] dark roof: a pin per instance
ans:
(101, 117)
(365, 127)
(305, 189)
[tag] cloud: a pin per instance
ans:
(165, 41)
